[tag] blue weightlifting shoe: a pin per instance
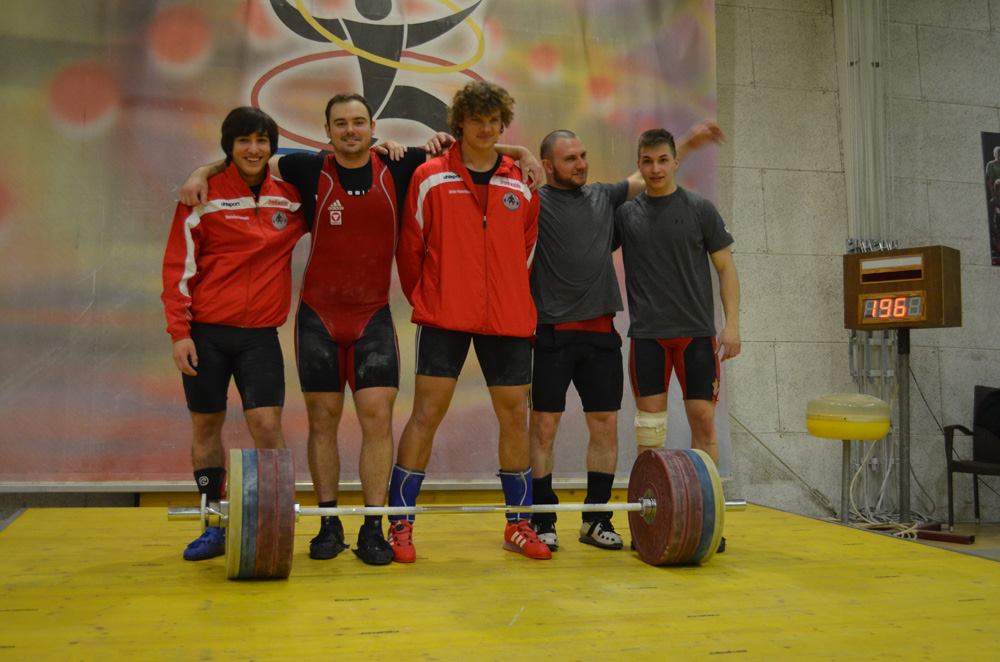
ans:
(208, 545)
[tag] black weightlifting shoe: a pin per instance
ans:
(372, 546)
(329, 541)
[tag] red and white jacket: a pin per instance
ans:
(461, 269)
(229, 261)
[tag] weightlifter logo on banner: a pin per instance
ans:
(374, 54)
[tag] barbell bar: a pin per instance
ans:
(676, 510)
(211, 516)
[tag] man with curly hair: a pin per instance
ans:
(464, 256)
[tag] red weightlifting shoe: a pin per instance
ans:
(520, 537)
(401, 541)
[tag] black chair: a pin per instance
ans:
(985, 445)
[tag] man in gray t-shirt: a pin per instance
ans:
(576, 293)
(668, 237)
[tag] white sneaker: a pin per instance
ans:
(547, 534)
(600, 533)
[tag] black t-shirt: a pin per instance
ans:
(666, 243)
(302, 170)
(483, 177)
(481, 180)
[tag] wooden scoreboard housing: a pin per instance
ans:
(915, 288)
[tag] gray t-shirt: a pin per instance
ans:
(665, 244)
(573, 276)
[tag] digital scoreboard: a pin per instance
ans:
(904, 288)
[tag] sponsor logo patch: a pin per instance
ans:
(511, 201)
(336, 213)
(279, 220)
(275, 202)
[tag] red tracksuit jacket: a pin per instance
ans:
(461, 269)
(229, 261)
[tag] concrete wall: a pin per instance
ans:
(944, 88)
(783, 193)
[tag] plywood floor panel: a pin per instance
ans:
(109, 584)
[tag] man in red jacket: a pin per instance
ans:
(226, 288)
(465, 250)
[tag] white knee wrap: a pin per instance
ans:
(650, 429)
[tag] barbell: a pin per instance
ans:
(676, 510)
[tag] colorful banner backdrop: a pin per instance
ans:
(111, 103)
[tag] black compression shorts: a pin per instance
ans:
(325, 366)
(251, 356)
(504, 360)
(592, 361)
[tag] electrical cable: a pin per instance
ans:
(813, 492)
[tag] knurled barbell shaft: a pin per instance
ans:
(307, 511)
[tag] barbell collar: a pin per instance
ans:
(207, 515)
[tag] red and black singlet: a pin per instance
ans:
(354, 238)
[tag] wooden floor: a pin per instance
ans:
(104, 584)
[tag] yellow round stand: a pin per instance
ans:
(847, 416)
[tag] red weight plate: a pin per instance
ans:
(275, 513)
(266, 526)
(285, 514)
(265, 513)
(655, 537)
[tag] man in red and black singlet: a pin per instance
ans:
(344, 330)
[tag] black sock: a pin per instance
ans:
(542, 493)
(598, 491)
(210, 481)
(373, 521)
(326, 520)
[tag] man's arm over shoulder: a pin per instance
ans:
(618, 193)
(701, 134)
(297, 168)
(194, 191)
(402, 169)
(698, 136)
(532, 172)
